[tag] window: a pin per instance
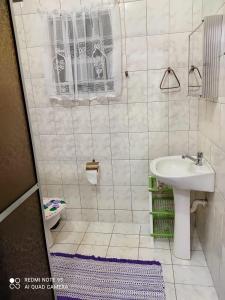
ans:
(84, 54)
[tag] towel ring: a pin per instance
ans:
(169, 71)
(192, 70)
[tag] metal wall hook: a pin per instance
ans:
(168, 72)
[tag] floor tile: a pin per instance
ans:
(192, 275)
(100, 227)
(161, 255)
(64, 248)
(187, 292)
(168, 273)
(126, 228)
(125, 240)
(75, 226)
(170, 291)
(69, 237)
(150, 242)
(195, 244)
(92, 250)
(145, 229)
(197, 259)
(123, 252)
(101, 239)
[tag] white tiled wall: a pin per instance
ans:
(211, 137)
(124, 134)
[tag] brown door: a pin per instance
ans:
(23, 252)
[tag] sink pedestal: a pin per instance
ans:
(182, 224)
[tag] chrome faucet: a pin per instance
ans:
(197, 161)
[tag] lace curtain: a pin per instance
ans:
(83, 59)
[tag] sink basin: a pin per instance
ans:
(183, 175)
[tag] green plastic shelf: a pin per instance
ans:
(162, 209)
(163, 228)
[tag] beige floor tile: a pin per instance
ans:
(126, 228)
(69, 237)
(150, 242)
(101, 239)
(92, 250)
(161, 255)
(123, 252)
(64, 248)
(78, 226)
(125, 240)
(100, 227)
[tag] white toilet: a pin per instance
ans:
(53, 208)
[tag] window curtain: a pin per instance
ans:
(83, 59)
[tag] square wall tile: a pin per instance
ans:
(88, 196)
(105, 197)
(140, 199)
(158, 54)
(139, 172)
(81, 119)
(121, 172)
(34, 30)
(52, 172)
(178, 142)
(63, 120)
(73, 214)
(158, 17)
(180, 16)
(84, 149)
(30, 6)
(122, 196)
(101, 145)
(154, 92)
(105, 173)
(36, 65)
(178, 49)
(72, 196)
(158, 116)
(137, 86)
(178, 115)
(45, 119)
(118, 118)
(120, 146)
(66, 147)
(136, 51)
(138, 145)
(49, 147)
(158, 144)
(99, 118)
(69, 172)
(135, 18)
(138, 121)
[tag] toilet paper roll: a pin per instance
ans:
(92, 176)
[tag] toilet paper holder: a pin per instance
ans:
(92, 165)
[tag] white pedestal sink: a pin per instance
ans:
(183, 175)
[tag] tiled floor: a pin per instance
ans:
(184, 279)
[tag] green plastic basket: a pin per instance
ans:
(162, 209)
(163, 228)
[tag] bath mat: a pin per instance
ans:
(97, 278)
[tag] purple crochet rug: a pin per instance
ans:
(97, 278)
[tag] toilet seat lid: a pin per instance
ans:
(53, 206)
